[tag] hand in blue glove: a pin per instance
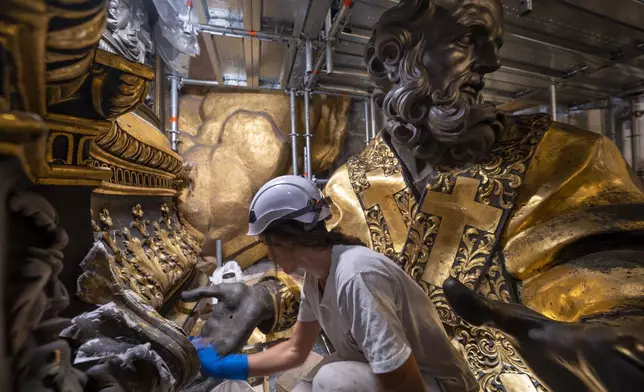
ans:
(230, 367)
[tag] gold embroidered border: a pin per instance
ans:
(378, 155)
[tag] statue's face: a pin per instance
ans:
(428, 58)
(464, 43)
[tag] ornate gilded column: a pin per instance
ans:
(70, 130)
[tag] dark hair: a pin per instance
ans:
(295, 233)
(431, 123)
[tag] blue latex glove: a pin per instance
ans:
(230, 367)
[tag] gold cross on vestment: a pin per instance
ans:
(381, 192)
(456, 210)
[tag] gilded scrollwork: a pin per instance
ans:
(406, 205)
(472, 256)
(376, 155)
(420, 238)
(502, 172)
(379, 232)
(489, 355)
(150, 258)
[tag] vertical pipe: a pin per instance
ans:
(329, 44)
(367, 133)
(374, 125)
(219, 253)
(307, 135)
(611, 120)
(308, 51)
(553, 102)
(159, 91)
(634, 135)
(293, 132)
(174, 112)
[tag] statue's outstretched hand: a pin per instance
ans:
(240, 308)
(565, 356)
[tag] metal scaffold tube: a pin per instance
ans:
(634, 137)
(293, 132)
(307, 135)
(374, 125)
(611, 121)
(333, 31)
(174, 112)
(553, 102)
(219, 253)
(232, 32)
(308, 53)
(329, 47)
(367, 132)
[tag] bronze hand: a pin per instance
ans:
(240, 310)
(566, 356)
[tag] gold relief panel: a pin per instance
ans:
(151, 258)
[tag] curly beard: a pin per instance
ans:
(458, 127)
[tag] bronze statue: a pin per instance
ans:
(539, 215)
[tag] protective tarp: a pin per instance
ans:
(175, 35)
(128, 31)
(231, 272)
(233, 386)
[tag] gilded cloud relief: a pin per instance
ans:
(235, 142)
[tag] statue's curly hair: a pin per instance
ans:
(419, 116)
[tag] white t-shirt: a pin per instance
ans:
(373, 312)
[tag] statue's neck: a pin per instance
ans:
(416, 171)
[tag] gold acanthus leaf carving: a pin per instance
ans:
(471, 257)
(380, 237)
(406, 204)
(150, 258)
(420, 239)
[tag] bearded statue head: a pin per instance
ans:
(426, 60)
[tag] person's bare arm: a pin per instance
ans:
(285, 355)
(406, 378)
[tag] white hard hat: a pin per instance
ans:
(287, 197)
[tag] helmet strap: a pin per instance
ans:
(314, 206)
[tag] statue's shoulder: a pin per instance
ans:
(517, 127)
(375, 164)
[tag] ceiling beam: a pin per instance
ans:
(211, 48)
(554, 42)
(252, 14)
(620, 12)
(290, 52)
(312, 22)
